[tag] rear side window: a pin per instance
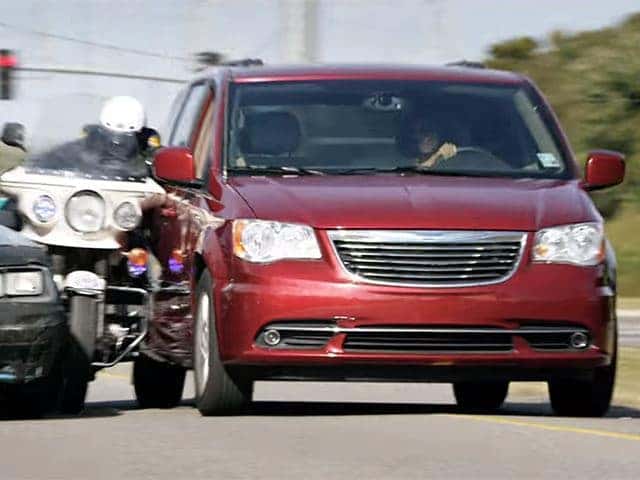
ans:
(188, 118)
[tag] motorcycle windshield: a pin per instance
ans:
(64, 138)
(98, 154)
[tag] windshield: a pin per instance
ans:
(350, 126)
(99, 153)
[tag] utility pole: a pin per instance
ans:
(299, 19)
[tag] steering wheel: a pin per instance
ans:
(488, 162)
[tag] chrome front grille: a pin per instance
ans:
(429, 258)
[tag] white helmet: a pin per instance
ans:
(123, 114)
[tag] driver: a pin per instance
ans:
(423, 140)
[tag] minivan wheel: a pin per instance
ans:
(480, 396)
(157, 384)
(584, 398)
(217, 391)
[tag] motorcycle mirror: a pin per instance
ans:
(13, 134)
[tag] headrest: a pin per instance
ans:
(270, 133)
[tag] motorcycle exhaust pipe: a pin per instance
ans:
(85, 291)
(84, 311)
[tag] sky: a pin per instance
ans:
(170, 31)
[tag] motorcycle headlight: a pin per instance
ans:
(578, 244)
(23, 283)
(44, 208)
(127, 216)
(263, 241)
(86, 212)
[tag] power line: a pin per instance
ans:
(99, 73)
(105, 46)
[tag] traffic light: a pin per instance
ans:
(7, 64)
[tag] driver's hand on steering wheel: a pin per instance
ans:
(448, 150)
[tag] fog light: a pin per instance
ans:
(272, 337)
(579, 340)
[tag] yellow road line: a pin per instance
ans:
(555, 428)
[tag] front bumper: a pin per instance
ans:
(537, 295)
(31, 337)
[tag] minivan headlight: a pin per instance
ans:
(264, 241)
(578, 244)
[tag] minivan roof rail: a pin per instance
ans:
(466, 63)
(244, 62)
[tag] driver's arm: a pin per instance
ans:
(446, 150)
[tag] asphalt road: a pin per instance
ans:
(324, 431)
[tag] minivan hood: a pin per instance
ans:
(416, 202)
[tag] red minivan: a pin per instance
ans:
(367, 223)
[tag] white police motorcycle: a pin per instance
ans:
(84, 200)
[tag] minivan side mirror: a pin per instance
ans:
(604, 168)
(175, 165)
(13, 134)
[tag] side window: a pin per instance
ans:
(204, 142)
(189, 116)
(170, 124)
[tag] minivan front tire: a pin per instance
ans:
(217, 391)
(585, 398)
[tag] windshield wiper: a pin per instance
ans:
(415, 169)
(273, 170)
(398, 169)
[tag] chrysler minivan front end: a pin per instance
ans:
(376, 253)
(402, 224)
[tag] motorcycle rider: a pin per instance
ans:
(124, 118)
(126, 115)
(121, 143)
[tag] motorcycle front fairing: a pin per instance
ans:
(29, 185)
(71, 198)
(103, 165)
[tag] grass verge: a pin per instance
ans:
(628, 303)
(624, 233)
(627, 393)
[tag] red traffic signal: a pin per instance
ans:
(7, 59)
(8, 62)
